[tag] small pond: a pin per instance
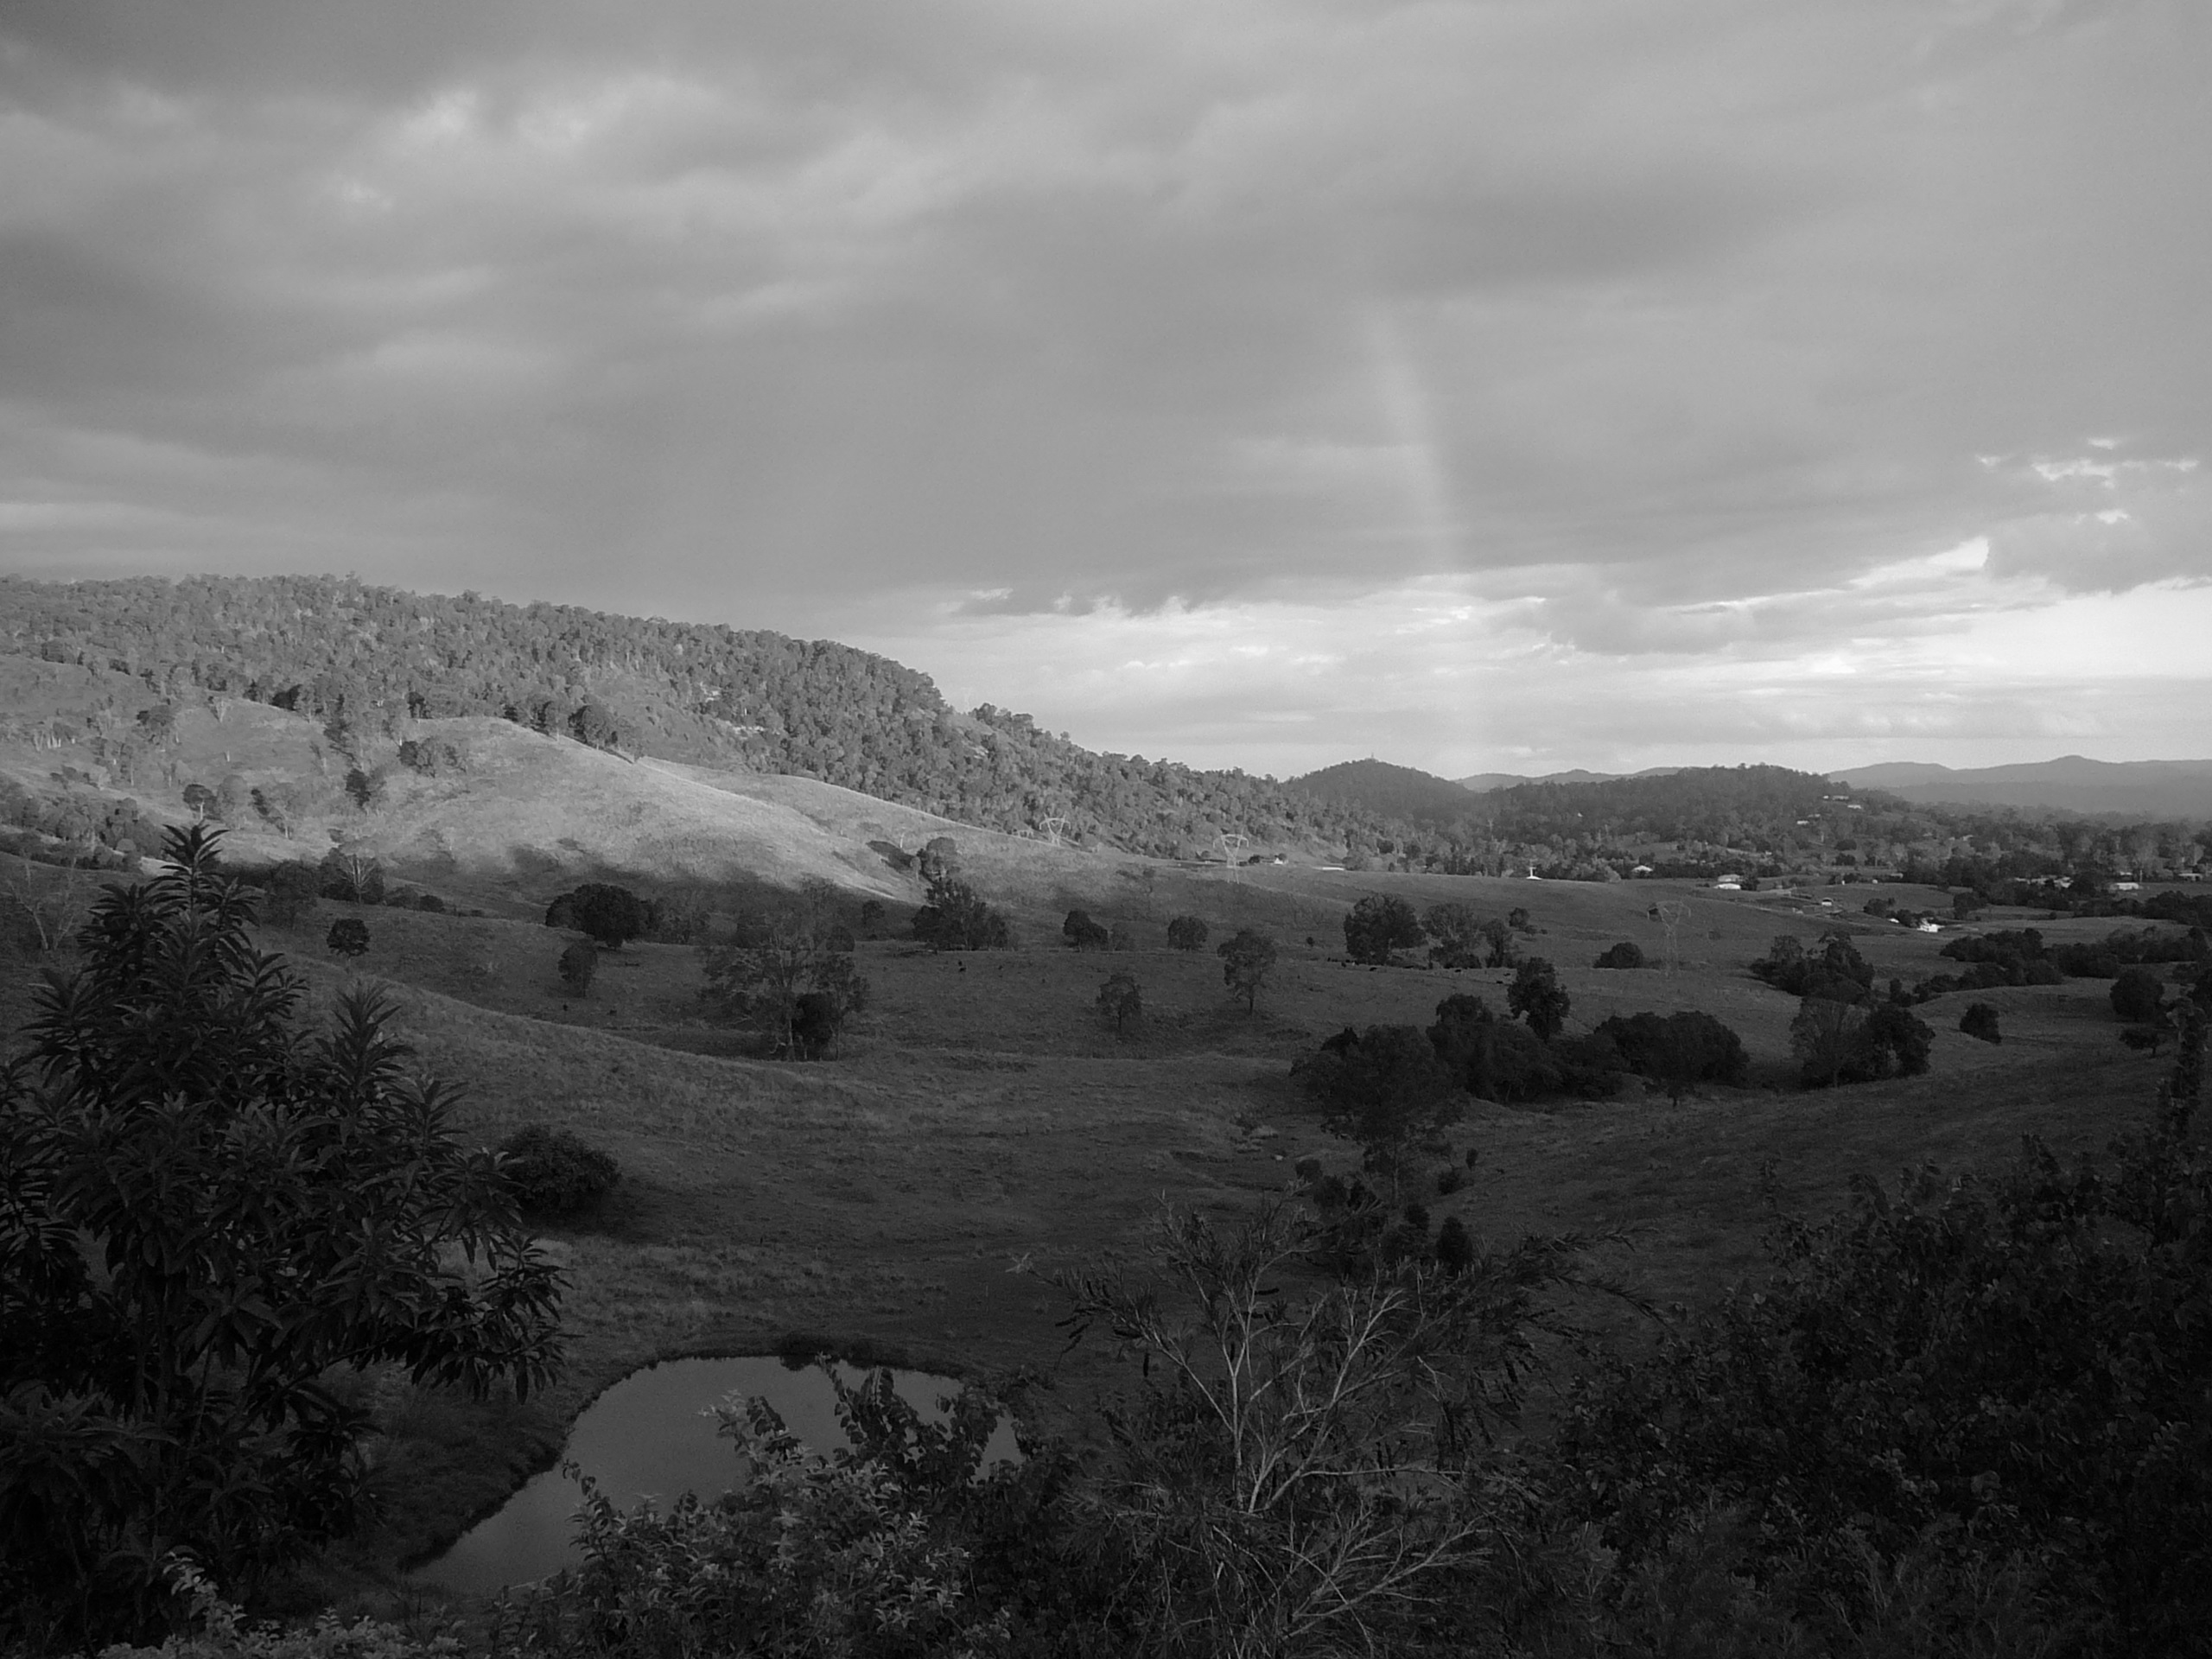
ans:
(646, 1437)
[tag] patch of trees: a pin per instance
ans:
(1378, 924)
(1838, 1042)
(610, 916)
(957, 917)
(1836, 970)
(1388, 1088)
(189, 1176)
(1675, 1050)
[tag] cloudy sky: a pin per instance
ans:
(1494, 385)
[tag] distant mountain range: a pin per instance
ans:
(2072, 783)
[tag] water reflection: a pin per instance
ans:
(646, 1437)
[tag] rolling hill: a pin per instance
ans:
(2072, 783)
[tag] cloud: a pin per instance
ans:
(1692, 340)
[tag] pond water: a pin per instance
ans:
(646, 1437)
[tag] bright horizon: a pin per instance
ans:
(1490, 386)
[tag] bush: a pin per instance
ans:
(579, 963)
(1455, 1246)
(1980, 1021)
(1186, 933)
(348, 937)
(1626, 953)
(554, 1174)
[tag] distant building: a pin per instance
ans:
(1729, 884)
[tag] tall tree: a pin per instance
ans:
(205, 1211)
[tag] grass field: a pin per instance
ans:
(981, 1117)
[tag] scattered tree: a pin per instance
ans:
(1385, 1088)
(1455, 935)
(1626, 953)
(1186, 933)
(352, 877)
(1980, 1021)
(348, 937)
(292, 892)
(1378, 924)
(579, 963)
(1246, 962)
(1503, 950)
(790, 970)
(1536, 995)
(1084, 934)
(1120, 1002)
(2138, 994)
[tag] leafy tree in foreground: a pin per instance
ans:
(205, 1212)
(1536, 997)
(2011, 1367)
(1247, 961)
(1378, 924)
(1186, 933)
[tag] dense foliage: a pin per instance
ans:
(555, 1175)
(206, 1213)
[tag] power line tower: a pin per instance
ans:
(1056, 830)
(1672, 914)
(1232, 847)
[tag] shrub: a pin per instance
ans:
(1186, 933)
(1450, 1180)
(554, 1174)
(579, 963)
(1626, 953)
(348, 937)
(1980, 1020)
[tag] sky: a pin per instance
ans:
(1493, 385)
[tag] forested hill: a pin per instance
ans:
(340, 649)
(1719, 804)
(1402, 792)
